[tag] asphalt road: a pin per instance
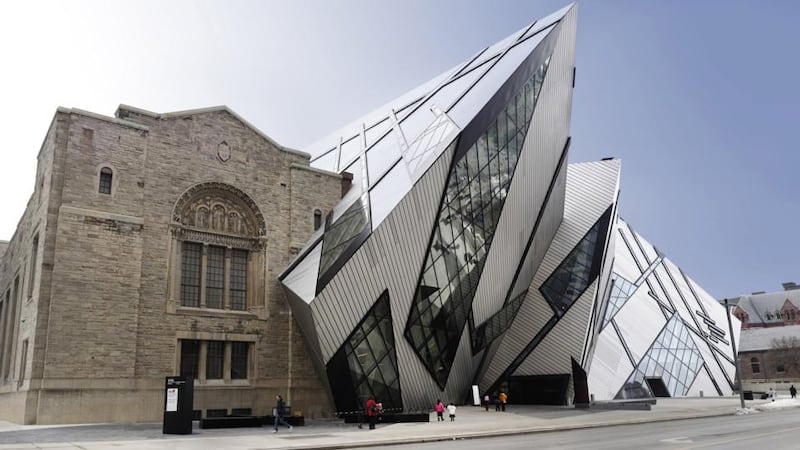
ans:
(767, 430)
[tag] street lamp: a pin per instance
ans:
(735, 355)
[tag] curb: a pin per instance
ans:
(508, 432)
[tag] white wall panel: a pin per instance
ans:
(713, 367)
(649, 251)
(673, 294)
(610, 366)
(639, 258)
(639, 321)
(623, 259)
(702, 383)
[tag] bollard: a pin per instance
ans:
(701, 393)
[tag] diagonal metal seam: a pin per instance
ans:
(624, 344)
(637, 284)
(509, 88)
(694, 319)
(652, 345)
(561, 166)
(522, 356)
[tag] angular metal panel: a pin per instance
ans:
(610, 366)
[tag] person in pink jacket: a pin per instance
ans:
(439, 408)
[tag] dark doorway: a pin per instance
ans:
(538, 389)
(657, 387)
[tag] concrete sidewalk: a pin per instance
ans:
(470, 422)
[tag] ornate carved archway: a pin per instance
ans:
(218, 254)
(221, 208)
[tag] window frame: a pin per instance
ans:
(755, 365)
(105, 183)
(214, 360)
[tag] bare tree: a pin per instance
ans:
(786, 351)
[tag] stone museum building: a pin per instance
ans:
(151, 247)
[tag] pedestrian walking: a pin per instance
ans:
(280, 410)
(439, 408)
(451, 409)
(503, 399)
(793, 391)
(486, 401)
(772, 394)
(496, 401)
(372, 411)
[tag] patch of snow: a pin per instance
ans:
(782, 403)
(742, 412)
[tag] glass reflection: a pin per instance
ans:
(621, 291)
(673, 358)
(563, 287)
(341, 234)
(474, 197)
(371, 361)
(496, 325)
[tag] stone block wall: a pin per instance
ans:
(108, 327)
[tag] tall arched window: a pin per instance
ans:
(219, 236)
(317, 219)
(755, 366)
(106, 176)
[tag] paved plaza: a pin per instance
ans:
(470, 422)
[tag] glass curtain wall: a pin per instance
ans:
(476, 190)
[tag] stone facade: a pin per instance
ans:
(92, 315)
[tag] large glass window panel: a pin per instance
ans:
(577, 271)
(497, 324)
(449, 93)
(482, 92)
(375, 132)
(425, 147)
(673, 356)
(341, 233)
(327, 161)
(351, 148)
(368, 359)
(459, 255)
(382, 156)
(417, 122)
(546, 22)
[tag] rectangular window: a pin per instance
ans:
(780, 368)
(238, 289)
(105, 180)
(23, 363)
(190, 358)
(190, 274)
(215, 277)
(215, 355)
(239, 351)
(34, 256)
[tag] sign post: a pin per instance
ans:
(178, 405)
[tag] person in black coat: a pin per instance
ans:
(280, 410)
